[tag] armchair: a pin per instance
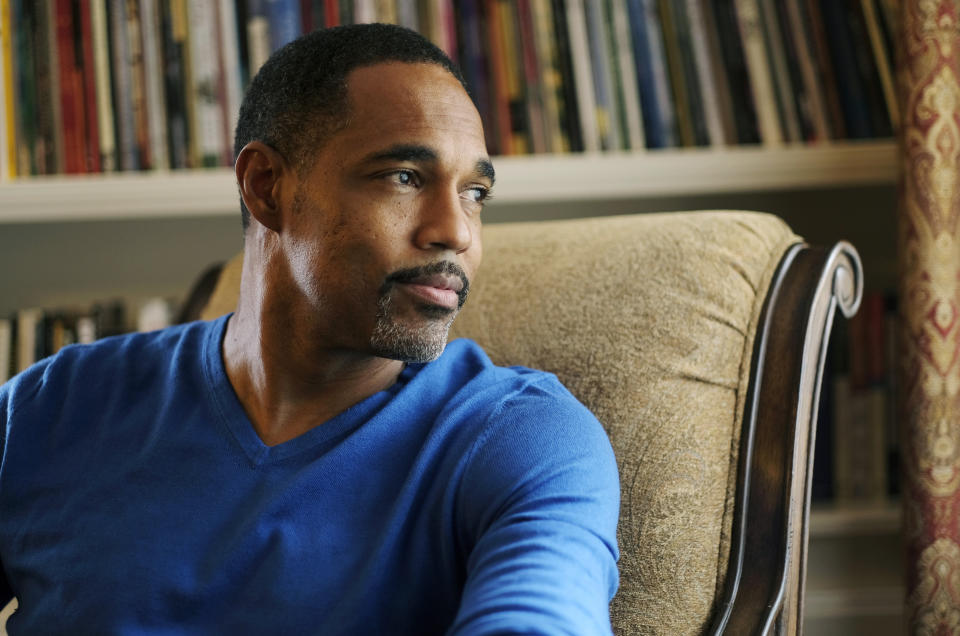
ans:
(698, 340)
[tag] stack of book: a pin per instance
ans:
(857, 440)
(35, 333)
(104, 85)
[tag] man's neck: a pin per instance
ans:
(286, 389)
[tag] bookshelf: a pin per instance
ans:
(521, 181)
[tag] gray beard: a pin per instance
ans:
(397, 341)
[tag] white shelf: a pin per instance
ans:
(836, 520)
(521, 180)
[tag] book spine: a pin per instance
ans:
(605, 110)
(153, 75)
(8, 137)
(533, 73)
(122, 86)
(408, 15)
(551, 77)
(57, 165)
(204, 84)
(811, 102)
(583, 75)
(513, 73)
(758, 71)
(777, 56)
(626, 67)
(685, 71)
(232, 73)
(284, 16)
(258, 35)
(138, 81)
(705, 72)
(570, 107)
(6, 346)
(868, 72)
(91, 129)
(103, 81)
(661, 73)
(71, 88)
(500, 103)
(386, 11)
(617, 96)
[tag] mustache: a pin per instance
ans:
(412, 274)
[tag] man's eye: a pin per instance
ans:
(477, 194)
(404, 178)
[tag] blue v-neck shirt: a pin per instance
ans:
(136, 498)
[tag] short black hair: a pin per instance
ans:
(298, 98)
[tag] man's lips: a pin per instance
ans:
(441, 284)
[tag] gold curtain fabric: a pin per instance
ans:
(929, 279)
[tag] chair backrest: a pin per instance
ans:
(655, 322)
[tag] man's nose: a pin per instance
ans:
(444, 223)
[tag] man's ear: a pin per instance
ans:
(259, 169)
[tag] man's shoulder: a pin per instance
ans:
(108, 361)
(517, 400)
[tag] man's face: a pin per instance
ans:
(384, 234)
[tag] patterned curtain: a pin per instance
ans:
(929, 281)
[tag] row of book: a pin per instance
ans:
(103, 85)
(36, 333)
(857, 446)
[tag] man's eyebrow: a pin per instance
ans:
(485, 168)
(403, 152)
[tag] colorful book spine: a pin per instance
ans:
(570, 107)
(551, 77)
(777, 57)
(532, 78)
(8, 140)
(284, 16)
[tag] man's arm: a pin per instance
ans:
(5, 592)
(540, 501)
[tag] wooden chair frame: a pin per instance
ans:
(763, 591)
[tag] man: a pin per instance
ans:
(318, 461)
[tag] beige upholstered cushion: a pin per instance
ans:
(648, 320)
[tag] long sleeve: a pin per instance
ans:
(540, 501)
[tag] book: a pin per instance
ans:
(686, 87)
(706, 73)
(8, 144)
(852, 96)
(29, 326)
(737, 78)
(69, 95)
(492, 29)
(154, 99)
(138, 83)
(870, 80)
(777, 56)
(122, 73)
(801, 61)
(258, 34)
(550, 77)
(203, 88)
(605, 111)
(569, 106)
(533, 74)
(749, 22)
(656, 133)
(229, 71)
(474, 63)
(103, 81)
(619, 21)
(51, 88)
(582, 74)
(6, 348)
(883, 57)
(284, 17)
(173, 29)
(87, 67)
(515, 86)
